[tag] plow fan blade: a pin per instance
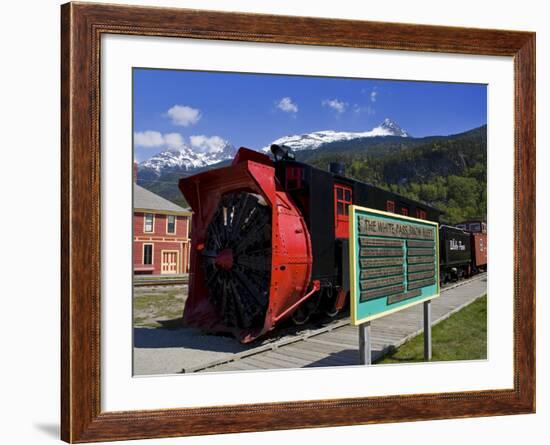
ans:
(237, 259)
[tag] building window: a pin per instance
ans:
(171, 224)
(390, 206)
(147, 254)
(149, 223)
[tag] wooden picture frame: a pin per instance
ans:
(82, 26)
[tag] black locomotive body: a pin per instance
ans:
(455, 253)
(323, 197)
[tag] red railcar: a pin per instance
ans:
(479, 250)
(478, 238)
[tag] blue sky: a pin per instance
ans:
(200, 109)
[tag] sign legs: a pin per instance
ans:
(428, 330)
(365, 344)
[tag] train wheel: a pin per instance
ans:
(334, 301)
(332, 312)
(302, 315)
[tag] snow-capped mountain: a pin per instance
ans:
(205, 151)
(311, 141)
(188, 158)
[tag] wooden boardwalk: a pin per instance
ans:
(339, 346)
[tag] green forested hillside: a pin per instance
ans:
(447, 172)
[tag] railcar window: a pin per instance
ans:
(421, 214)
(343, 200)
(390, 206)
(475, 227)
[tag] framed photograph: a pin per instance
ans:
(275, 222)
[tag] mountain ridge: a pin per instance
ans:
(186, 159)
(427, 169)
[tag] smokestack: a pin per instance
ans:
(337, 168)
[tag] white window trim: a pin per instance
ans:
(145, 222)
(175, 225)
(152, 254)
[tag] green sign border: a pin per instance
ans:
(353, 258)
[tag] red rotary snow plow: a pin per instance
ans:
(251, 254)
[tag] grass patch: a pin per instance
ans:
(462, 336)
(154, 310)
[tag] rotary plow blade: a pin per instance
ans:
(237, 259)
(250, 249)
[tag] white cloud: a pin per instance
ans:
(358, 109)
(173, 140)
(337, 105)
(148, 139)
(287, 105)
(184, 115)
(155, 139)
(207, 144)
(373, 95)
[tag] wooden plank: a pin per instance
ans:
(416, 243)
(397, 298)
(317, 357)
(267, 363)
(379, 262)
(379, 282)
(382, 272)
(335, 342)
(420, 275)
(369, 242)
(382, 292)
(420, 267)
(420, 252)
(420, 259)
(298, 362)
(375, 227)
(381, 251)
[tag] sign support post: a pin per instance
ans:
(428, 330)
(365, 355)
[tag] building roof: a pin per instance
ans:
(146, 200)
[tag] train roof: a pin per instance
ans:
(348, 179)
(396, 195)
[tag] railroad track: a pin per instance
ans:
(160, 281)
(179, 280)
(335, 343)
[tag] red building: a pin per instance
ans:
(161, 235)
